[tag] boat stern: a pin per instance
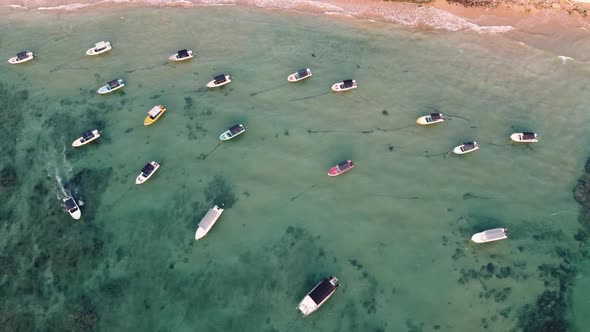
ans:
(307, 306)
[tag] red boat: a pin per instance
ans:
(341, 168)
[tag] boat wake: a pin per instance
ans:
(57, 170)
(405, 14)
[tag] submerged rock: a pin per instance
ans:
(8, 176)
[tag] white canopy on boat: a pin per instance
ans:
(155, 111)
(210, 218)
(100, 45)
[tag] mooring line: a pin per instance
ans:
(309, 131)
(212, 150)
(303, 192)
(293, 323)
(309, 97)
(267, 90)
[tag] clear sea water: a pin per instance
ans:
(395, 230)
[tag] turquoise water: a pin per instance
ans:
(394, 230)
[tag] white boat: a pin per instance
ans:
(111, 86)
(318, 295)
(99, 48)
(87, 137)
(181, 55)
(219, 80)
(147, 171)
(72, 207)
(490, 235)
(208, 221)
(300, 75)
(232, 132)
(526, 137)
(466, 148)
(344, 86)
(431, 118)
(21, 57)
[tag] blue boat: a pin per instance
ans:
(111, 86)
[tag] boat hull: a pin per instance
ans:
(294, 78)
(457, 149)
(92, 51)
(482, 238)
(336, 87)
(15, 61)
(76, 214)
(307, 306)
(142, 179)
(148, 120)
(78, 142)
(423, 120)
(212, 84)
(517, 137)
(174, 57)
(226, 135)
(208, 222)
(334, 171)
(105, 89)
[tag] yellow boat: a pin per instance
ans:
(154, 114)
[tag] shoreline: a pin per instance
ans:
(439, 15)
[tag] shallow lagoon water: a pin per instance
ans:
(395, 230)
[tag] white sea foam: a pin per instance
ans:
(564, 58)
(15, 6)
(72, 6)
(409, 15)
(66, 163)
(439, 19)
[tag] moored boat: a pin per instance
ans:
(99, 48)
(525, 137)
(318, 295)
(490, 235)
(431, 118)
(344, 86)
(146, 172)
(208, 221)
(466, 147)
(72, 207)
(111, 86)
(87, 137)
(219, 80)
(21, 57)
(181, 55)
(232, 132)
(300, 75)
(154, 114)
(342, 167)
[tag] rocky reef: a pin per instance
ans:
(549, 312)
(571, 8)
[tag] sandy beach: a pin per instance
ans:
(493, 15)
